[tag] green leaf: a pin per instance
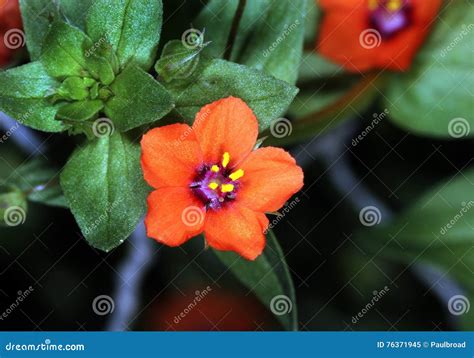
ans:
(104, 187)
(178, 61)
(131, 27)
(38, 16)
(13, 206)
(39, 182)
(138, 99)
(277, 44)
(276, 29)
(64, 51)
(437, 229)
(268, 278)
(438, 88)
(218, 27)
(80, 111)
(74, 11)
(214, 79)
(22, 96)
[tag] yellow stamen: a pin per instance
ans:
(237, 174)
(215, 168)
(227, 188)
(394, 5)
(213, 185)
(225, 159)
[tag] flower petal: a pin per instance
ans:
(236, 228)
(174, 216)
(271, 178)
(226, 125)
(342, 35)
(170, 156)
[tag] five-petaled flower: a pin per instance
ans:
(10, 20)
(209, 179)
(362, 35)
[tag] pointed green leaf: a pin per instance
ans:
(268, 97)
(80, 110)
(434, 97)
(137, 99)
(22, 96)
(268, 278)
(38, 16)
(105, 189)
(131, 27)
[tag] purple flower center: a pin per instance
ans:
(215, 185)
(389, 17)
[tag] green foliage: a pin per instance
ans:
(137, 99)
(439, 86)
(131, 27)
(23, 96)
(268, 278)
(104, 187)
(178, 61)
(269, 36)
(436, 229)
(214, 79)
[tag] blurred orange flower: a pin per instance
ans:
(209, 179)
(362, 35)
(10, 20)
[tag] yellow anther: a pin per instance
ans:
(237, 174)
(394, 5)
(225, 159)
(227, 188)
(213, 185)
(215, 168)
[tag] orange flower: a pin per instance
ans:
(10, 25)
(209, 179)
(366, 34)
